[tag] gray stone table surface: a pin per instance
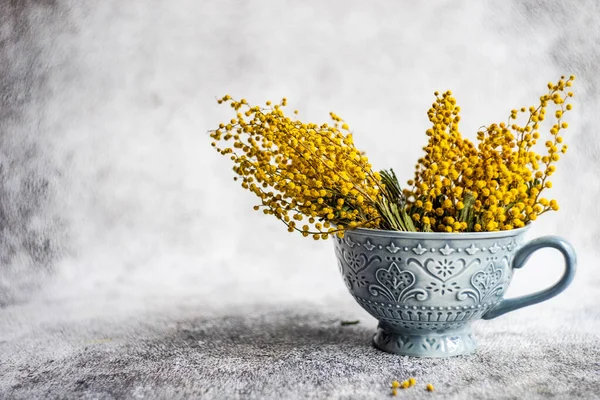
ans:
(166, 347)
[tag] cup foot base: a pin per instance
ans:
(440, 345)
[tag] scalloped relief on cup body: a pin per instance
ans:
(426, 288)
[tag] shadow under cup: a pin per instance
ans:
(426, 288)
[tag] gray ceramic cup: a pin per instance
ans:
(426, 288)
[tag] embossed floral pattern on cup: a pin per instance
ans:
(426, 288)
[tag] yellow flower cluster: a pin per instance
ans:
(407, 384)
(309, 176)
(495, 185)
(314, 179)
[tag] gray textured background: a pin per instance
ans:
(131, 265)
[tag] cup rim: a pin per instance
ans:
(439, 235)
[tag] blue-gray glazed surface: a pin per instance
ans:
(426, 288)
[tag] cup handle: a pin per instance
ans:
(521, 258)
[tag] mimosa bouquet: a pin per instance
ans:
(314, 179)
